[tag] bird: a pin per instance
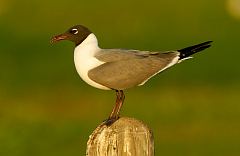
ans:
(119, 69)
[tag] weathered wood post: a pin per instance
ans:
(125, 137)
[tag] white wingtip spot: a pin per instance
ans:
(186, 58)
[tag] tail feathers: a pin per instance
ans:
(186, 52)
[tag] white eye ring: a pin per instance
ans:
(75, 31)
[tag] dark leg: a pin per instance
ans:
(116, 110)
(121, 100)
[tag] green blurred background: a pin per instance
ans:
(46, 109)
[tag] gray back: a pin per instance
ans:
(126, 69)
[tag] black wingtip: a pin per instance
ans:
(186, 52)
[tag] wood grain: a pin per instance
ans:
(125, 137)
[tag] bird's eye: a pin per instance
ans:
(74, 31)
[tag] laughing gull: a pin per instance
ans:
(118, 69)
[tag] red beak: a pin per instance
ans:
(58, 38)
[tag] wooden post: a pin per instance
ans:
(125, 137)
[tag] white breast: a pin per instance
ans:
(84, 59)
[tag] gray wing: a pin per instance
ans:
(129, 69)
(112, 55)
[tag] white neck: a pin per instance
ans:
(90, 44)
(84, 59)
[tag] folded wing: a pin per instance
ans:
(124, 70)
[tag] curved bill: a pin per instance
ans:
(58, 38)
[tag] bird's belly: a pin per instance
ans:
(83, 66)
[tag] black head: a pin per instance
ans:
(76, 34)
